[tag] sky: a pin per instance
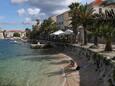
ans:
(21, 14)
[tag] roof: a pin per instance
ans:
(102, 3)
(15, 31)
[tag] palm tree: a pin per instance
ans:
(95, 33)
(107, 31)
(47, 27)
(107, 28)
(81, 15)
(73, 14)
(98, 19)
(85, 17)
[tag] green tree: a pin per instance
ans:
(107, 31)
(35, 30)
(85, 17)
(28, 32)
(73, 14)
(4, 34)
(48, 26)
(81, 15)
(98, 19)
(16, 34)
(107, 27)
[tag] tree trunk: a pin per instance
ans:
(75, 34)
(108, 46)
(96, 41)
(85, 36)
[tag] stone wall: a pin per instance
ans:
(103, 65)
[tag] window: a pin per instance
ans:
(100, 10)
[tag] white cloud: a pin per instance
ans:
(21, 12)
(9, 23)
(59, 11)
(18, 1)
(68, 2)
(49, 7)
(33, 11)
(29, 21)
(42, 14)
(2, 17)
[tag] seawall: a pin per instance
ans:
(99, 68)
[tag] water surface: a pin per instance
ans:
(22, 66)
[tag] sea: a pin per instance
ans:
(22, 66)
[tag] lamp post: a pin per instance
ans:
(81, 34)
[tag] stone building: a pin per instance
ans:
(63, 21)
(54, 18)
(102, 5)
(1, 34)
(10, 33)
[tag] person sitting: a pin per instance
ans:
(74, 65)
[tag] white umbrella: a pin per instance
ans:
(68, 32)
(59, 32)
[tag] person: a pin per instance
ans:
(73, 65)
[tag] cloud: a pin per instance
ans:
(27, 21)
(2, 17)
(46, 8)
(49, 6)
(21, 12)
(14, 23)
(9, 23)
(59, 11)
(33, 11)
(18, 1)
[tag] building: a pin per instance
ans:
(54, 18)
(10, 33)
(102, 5)
(1, 34)
(63, 21)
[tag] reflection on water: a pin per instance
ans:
(22, 66)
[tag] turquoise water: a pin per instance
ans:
(22, 66)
